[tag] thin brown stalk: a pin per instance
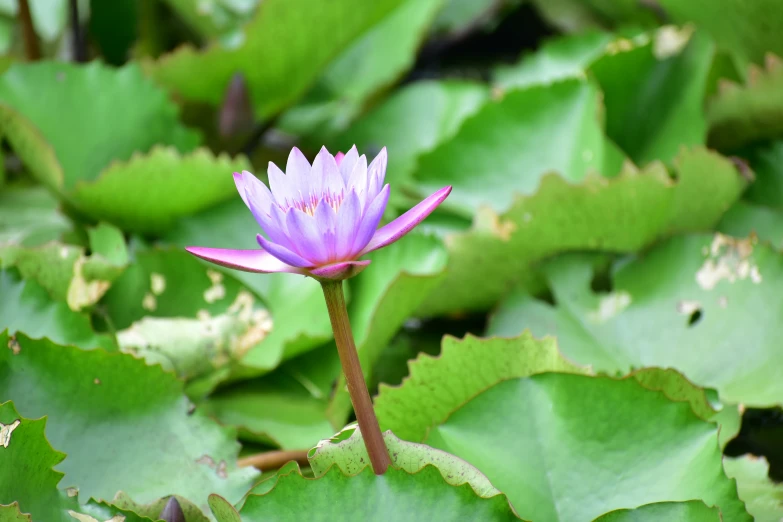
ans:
(357, 388)
(271, 460)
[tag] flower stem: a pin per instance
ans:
(357, 388)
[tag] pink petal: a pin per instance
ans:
(246, 260)
(376, 173)
(341, 270)
(369, 223)
(282, 253)
(347, 162)
(406, 222)
(339, 158)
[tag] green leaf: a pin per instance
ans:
(744, 219)
(65, 271)
(742, 113)
(439, 385)
(28, 480)
(654, 92)
(11, 513)
(692, 511)
(749, 29)
(569, 438)
(142, 443)
(114, 113)
(278, 409)
(767, 164)
(373, 61)
(223, 510)
(383, 297)
(686, 304)
(394, 496)
(502, 249)
(557, 59)
(28, 307)
(313, 32)
(508, 145)
(26, 462)
(148, 192)
(350, 455)
(30, 217)
(763, 498)
(457, 16)
(412, 121)
(572, 16)
(217, 18)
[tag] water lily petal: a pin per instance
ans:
(372, 216)
(405, 223)
(347, 162)
(306, 236)
(376, 173)
(266, 219)
(282, 253)
(325, 219)
(341, 270)
(239, 181)
(283, 190)
(347, 223)
(246, 260)
(358, 180)
(325, 175)
(297, 170)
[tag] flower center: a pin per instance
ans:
(309, 204)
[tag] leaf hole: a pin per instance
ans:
(694, 318)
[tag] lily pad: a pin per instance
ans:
(557, 59)
(350, 455)
(674, 307)
(30, 216)
(149, 191)
(508, 145)
(743, 113)
(394, 496)
(373, 61)
(91, 414)
(414, 120)
(745, 219)
(622, 214)
(323, 31)
(558, 455)
(763, 498)
(67, 122)
(748, 29)
(28, 482)
(438, 385)
(693, 511)
(28, 307)
(654, 92)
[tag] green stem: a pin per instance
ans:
(357, 388)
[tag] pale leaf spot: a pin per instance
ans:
(686, 307)
(13, 345)
(6, 431)
(730, 259)
(157, 283)
(609, 306)
(149, 302)
(72, 492)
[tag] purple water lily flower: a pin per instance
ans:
(319, 219)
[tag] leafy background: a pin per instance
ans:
(588, 329)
